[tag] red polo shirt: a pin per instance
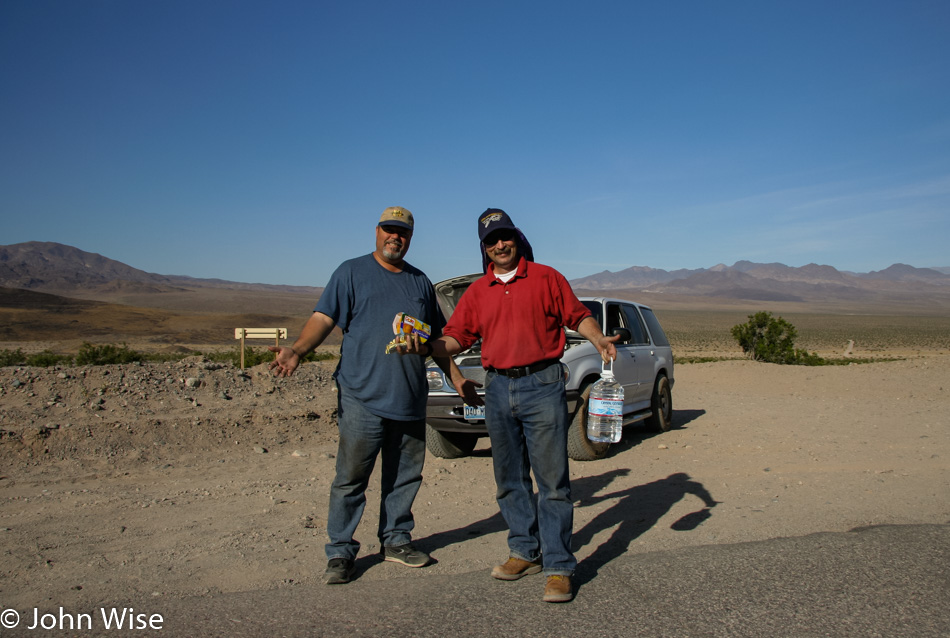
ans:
(520, 321)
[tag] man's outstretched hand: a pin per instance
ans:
(286, 361)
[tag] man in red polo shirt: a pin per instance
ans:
(518, 310)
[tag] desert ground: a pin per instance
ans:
(164, 480)
(154, 481)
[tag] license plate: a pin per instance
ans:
(475, 412)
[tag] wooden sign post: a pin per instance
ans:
(259, 333)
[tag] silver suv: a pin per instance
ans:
(644, 366)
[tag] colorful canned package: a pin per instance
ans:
(405, 325)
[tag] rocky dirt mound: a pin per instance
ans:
(147, 413)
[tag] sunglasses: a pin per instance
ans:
(499, 235)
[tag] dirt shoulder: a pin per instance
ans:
(168, 480)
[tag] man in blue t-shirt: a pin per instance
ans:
(381, 398)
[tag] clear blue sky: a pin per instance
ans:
(260, 141)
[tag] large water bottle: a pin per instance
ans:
(605, 408)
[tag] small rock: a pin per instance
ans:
(260, 450)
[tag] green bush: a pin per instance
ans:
(12, 358)
(44, 359)
(257, 356)
(252, 357)
(107, 354)
(48, 359)
(772, 340)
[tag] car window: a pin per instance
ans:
(638, 335)
(659, 337)
(596, 310)
(615, 319)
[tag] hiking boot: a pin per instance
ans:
(558, 589)
(339, 571)
(406, 555)
(515, 568)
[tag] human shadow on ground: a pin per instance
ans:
(683, 417)
(581, 489)
(634, 511)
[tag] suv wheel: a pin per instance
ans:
(579, 447)
(661, 405)
(449, 445)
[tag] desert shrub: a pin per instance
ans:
(48, 359)
(12, 358)
(257, 356)
(772, 340)
(106, 354)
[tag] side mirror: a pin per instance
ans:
(623, 332)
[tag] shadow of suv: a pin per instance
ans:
(644, 366)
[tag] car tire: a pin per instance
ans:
(661, 404)
(579, 447)
(449, 445)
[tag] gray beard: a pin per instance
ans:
(388, 253)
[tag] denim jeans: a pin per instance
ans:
(363, 437)
(527, 422)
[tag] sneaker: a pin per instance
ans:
(407, 555)
(515, 568)
(558, 589)
(339, 571)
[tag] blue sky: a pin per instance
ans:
(260, 141)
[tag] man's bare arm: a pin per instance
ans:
(590, 330)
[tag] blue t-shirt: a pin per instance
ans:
(363, 298)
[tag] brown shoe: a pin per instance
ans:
(515, 568)
(558, 589)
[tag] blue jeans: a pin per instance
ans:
(363, 437)
(527, 422)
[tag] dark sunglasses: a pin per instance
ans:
(499, 235)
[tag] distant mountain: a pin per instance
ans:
(775, 282)
(903, 272)
(633, 277)
(64, 270)
(46, 265)
(60, 269)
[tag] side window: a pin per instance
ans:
(638, 335)
(615, 319)
(659, 337)
(596, 310)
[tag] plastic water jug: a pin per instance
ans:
(605, 408)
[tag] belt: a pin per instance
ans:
(523, 371)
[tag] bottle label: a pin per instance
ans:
(606, 407)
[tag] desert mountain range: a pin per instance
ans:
(70, 272)
(61, 269)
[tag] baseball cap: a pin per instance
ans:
(396, 216)
(491, 220)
